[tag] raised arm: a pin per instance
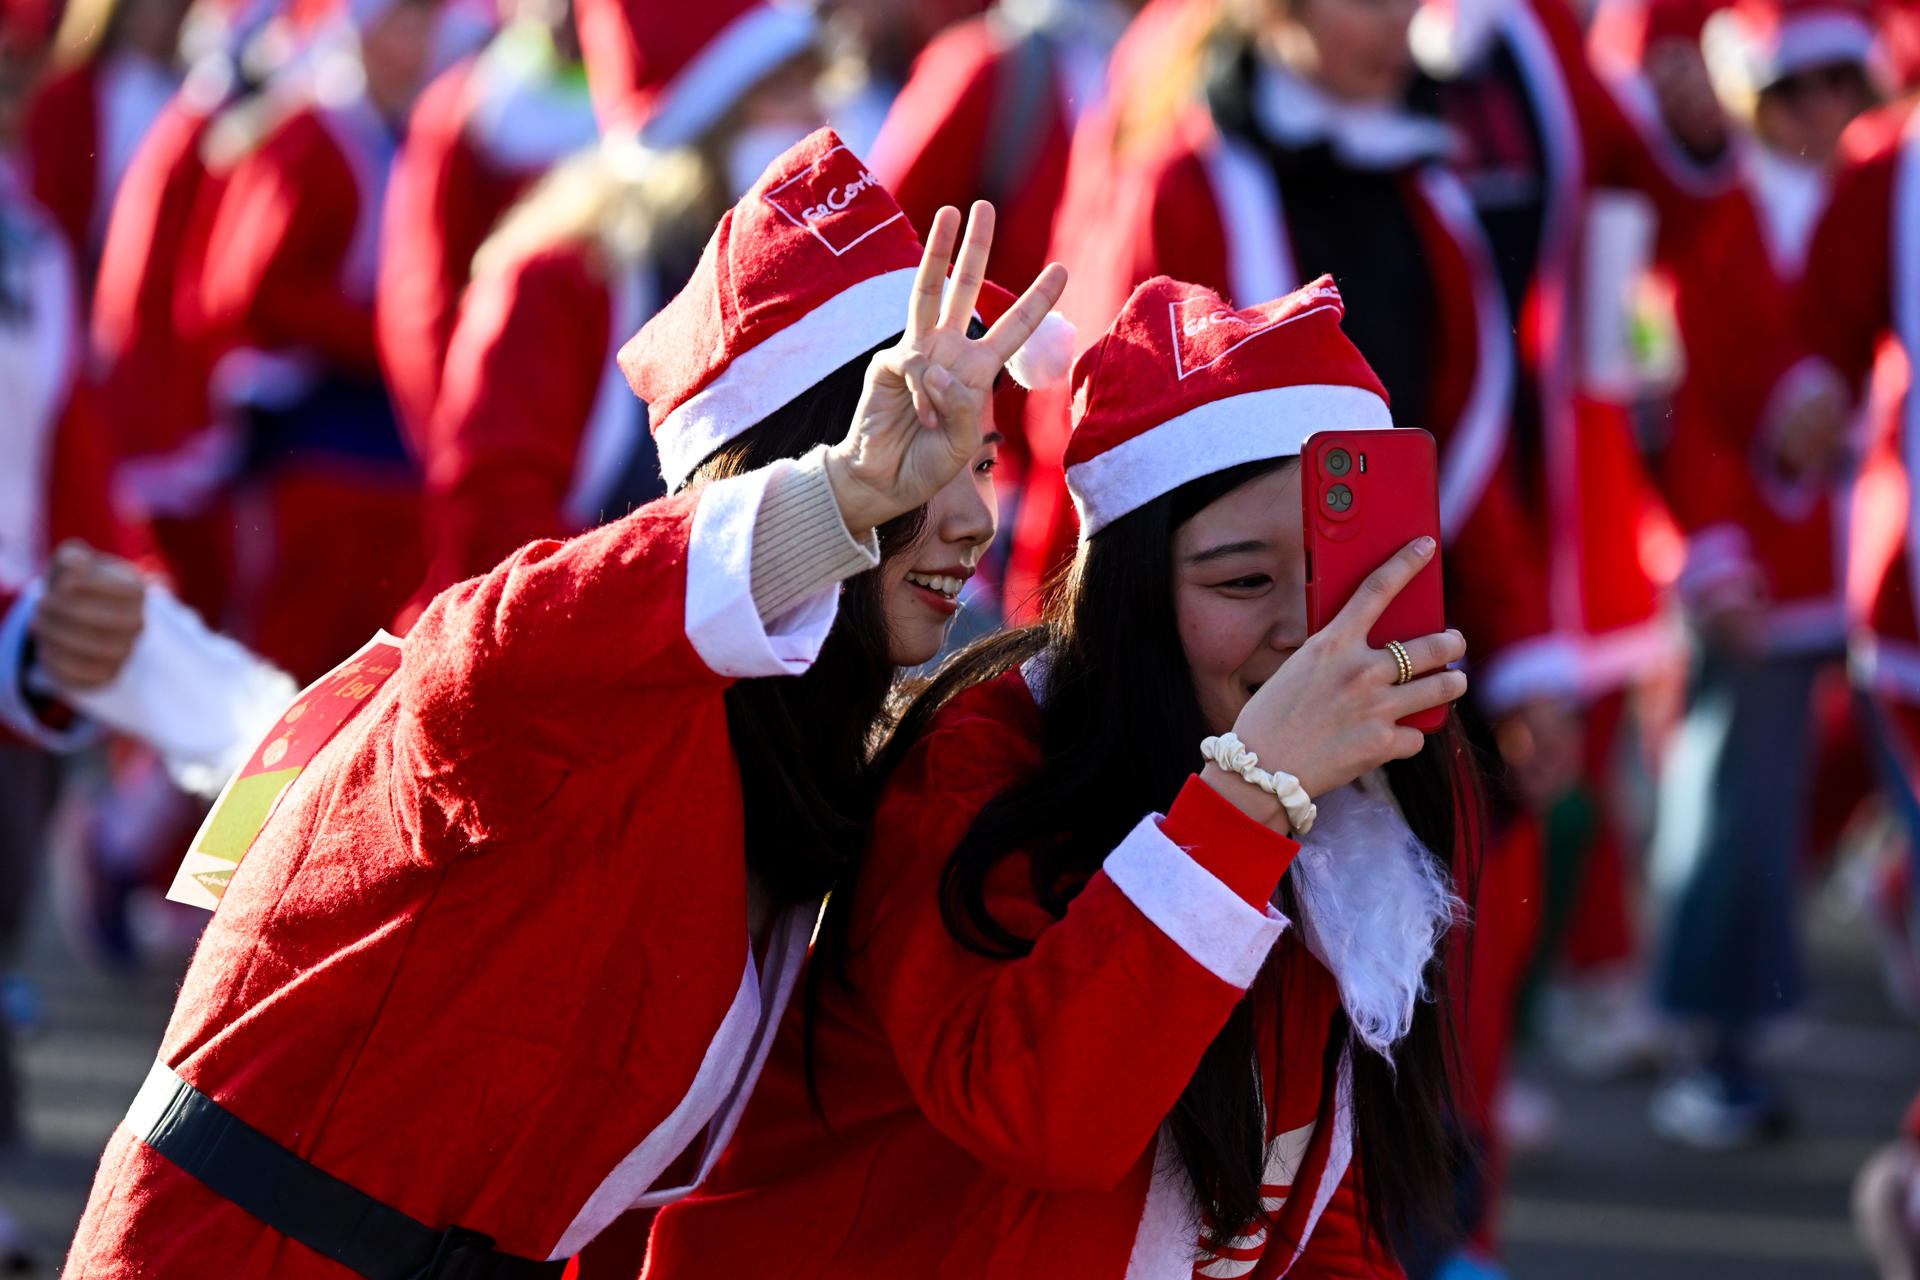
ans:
(1059, 1067)
(557, 653)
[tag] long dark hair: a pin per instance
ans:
(1120, 723)
(804, 742)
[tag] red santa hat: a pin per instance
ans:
(810, 270)
(671, 71)
(1182, 385)
(1766, 41)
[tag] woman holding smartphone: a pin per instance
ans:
(1051, 1032)
(515, 940)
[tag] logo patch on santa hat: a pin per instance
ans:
(1205, 332)
(835, 199)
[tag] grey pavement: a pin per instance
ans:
(1608, 1201)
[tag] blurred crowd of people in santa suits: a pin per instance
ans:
(308, 309)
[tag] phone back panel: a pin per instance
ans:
(1365, 495)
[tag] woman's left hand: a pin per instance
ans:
(927, 399)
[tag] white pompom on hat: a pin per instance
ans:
(1046, 357)
(1181, 386)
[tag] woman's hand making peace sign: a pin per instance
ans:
(926, 400)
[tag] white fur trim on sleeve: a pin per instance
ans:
(722, 622)
(1185, 901)
(14, 711)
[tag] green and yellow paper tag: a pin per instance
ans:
(252, 794)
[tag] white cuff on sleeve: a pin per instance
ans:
(722, 619)
(15, 713)
(1185, 901)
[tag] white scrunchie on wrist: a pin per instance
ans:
(1231, 754)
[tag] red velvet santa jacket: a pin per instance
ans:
(1735, 262)
(1209, 209)
(536, 424)
(1859, 308)
(488, 961)
(148, 333)
(289, 274)
(82, 129)
(985, 1117)
(479, 135)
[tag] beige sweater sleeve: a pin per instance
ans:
(800, 542)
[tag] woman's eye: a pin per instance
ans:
(1252, 582)
(988, 466)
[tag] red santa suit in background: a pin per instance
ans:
(1736, 262)
(488, 962)
(989, 114)
(86, 122)
(151, 354)
(948, 1094)
(286, 290)
(535, 434)
(1541, 136)
(481, 134)
(1766, 560)
(1863, 269)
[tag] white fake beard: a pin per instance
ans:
(1373, 905)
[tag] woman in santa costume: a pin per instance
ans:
(1053, 1032)
(1764, 580)
(483, 132)
(1860, 310)
(286, 290)
(534, 433)
(500, 956)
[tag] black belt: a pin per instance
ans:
(242, 1164)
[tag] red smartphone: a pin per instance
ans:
(1365, 495)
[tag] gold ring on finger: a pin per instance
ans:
(1402, 660)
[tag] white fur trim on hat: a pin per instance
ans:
(1271, 423)
(1815, 39)
(731, 63)
(762, 379)
(1046, 357)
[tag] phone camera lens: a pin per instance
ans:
(1339, 461)
(1339, 497)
